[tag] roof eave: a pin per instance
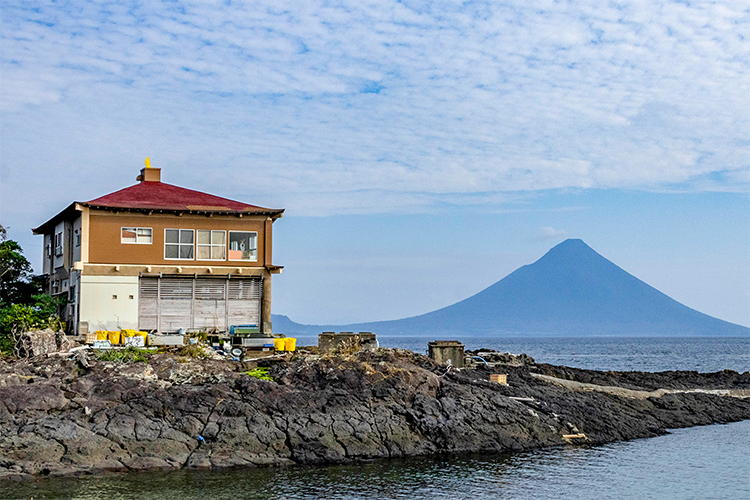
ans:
(273, 213)
(43, 228)
(274, 269)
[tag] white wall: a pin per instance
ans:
(100, 307)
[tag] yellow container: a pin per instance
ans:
(114, 337)
(290, 344)
(101, 334)
(128, 333)
(278, 344)
(144, 335)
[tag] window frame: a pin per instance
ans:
(229, 237)
(58, 244)
(178, 244)
(211, 245)
(136, 242)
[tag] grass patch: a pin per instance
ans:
(261, 374)
(127, 355)
(193, 351)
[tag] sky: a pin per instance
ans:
(422, 150)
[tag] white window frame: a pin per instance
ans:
(179, 245)
(136, 242)
(229, 237)
(58, 244)
(211, 244)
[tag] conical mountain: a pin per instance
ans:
(571, 290)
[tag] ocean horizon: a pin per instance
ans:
(702, 354)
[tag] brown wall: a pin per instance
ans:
(105, 246)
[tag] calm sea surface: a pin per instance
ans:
(710, 462)
(603, 353)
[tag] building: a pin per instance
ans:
(160, 258)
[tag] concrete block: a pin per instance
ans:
(443, 351)
(166, 340)
(346, 341)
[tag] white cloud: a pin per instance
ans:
(550, 233)
(381, 106)
(409, 102)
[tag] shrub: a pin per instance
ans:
(201, 335)
(22, 307)
(193, 351)
(16, 319)
(127, 355)
(261, 373)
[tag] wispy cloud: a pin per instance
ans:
(550, 233)
(380, 106)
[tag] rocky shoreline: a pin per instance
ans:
(78, 415)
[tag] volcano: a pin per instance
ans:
(570, 291)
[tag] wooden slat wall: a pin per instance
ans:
(148, 304)
(210, 314)
(169, 303)
(243, 306)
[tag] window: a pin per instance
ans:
(58, 243)
(139, 235)
(178, 243)
(77, 237)
(243, 245)
(212, 245)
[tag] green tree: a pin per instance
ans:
(22, 306)
(17, 283)
(16, 319)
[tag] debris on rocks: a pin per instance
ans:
(42, 342)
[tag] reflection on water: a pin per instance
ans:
(710, 462)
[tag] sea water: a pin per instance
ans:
(648, 354)
(711, 462)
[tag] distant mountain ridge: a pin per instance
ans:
(570, 291)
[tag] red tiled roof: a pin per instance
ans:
(162, 196)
